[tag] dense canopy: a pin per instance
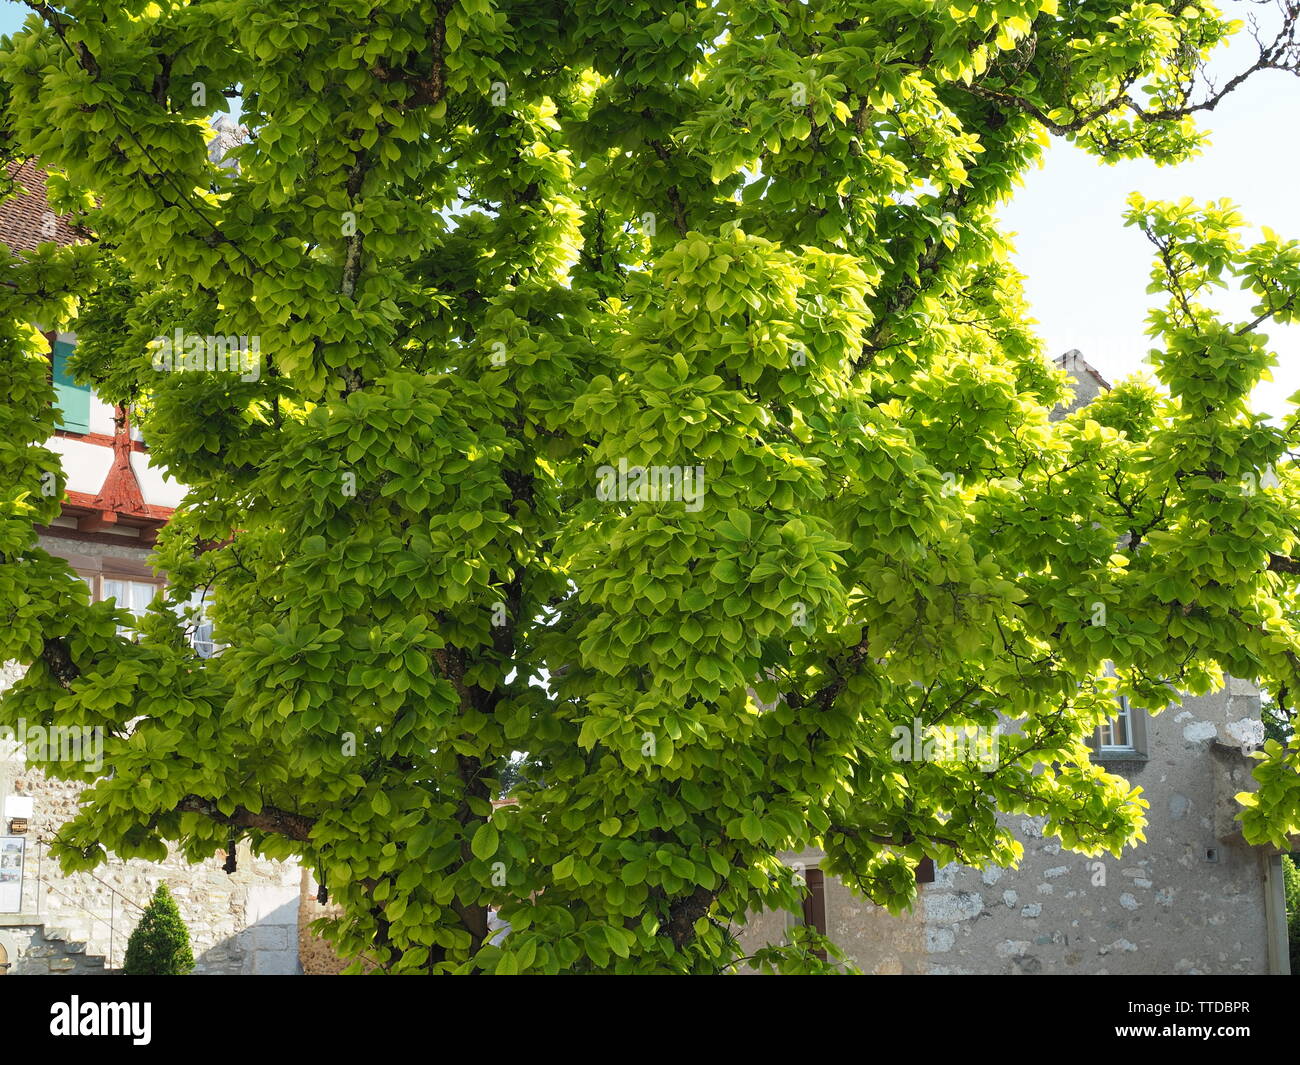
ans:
(645, 410)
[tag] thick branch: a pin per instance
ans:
(1283, 564)
(829, 692)
(58, 659)
(432, 89)
(682, 915)
(271, 819)
(674, 193)
(354, 245)
(56, 23)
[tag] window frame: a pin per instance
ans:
(158, 588)
(1135, 727)
(202, 600)
(96, 570)
(1124, 718)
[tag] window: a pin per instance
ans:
(1124, 737)
(1117, 733)
(71, 399)
(134, 596)
(132, 584)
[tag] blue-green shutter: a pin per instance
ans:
(71, 400)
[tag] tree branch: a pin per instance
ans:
(1283, 564)
(271, 819)
(1282, 53)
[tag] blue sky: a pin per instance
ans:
(12, 16)
(1087, 274)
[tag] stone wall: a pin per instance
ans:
(35, 950)
(240, 923)
(876, 941)
(245, 923)
(1189, 900)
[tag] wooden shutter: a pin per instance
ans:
(71, 399)
(814, 904)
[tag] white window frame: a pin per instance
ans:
(96, 576)
(157, 587)
(1121, 722)
(1124, 726)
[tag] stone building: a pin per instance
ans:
(116, 501)
(1194, 898)
(1088, 383)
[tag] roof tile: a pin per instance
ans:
(23, 217)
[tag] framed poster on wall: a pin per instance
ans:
(12, 852)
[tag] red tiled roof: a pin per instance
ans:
(23, 223)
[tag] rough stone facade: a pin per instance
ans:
(1192, 899)
(35, 950)
(1088, 383)
(245, 923)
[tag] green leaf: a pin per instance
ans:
(484, 843)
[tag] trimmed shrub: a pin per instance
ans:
(160, 944)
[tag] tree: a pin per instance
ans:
(644, 387)
(160, 943)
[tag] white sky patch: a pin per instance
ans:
(1087, 274)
